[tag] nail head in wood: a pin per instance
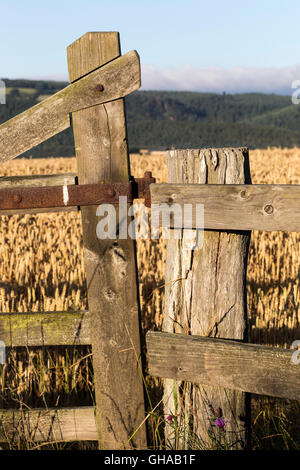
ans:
(99, 87)
(269, 209)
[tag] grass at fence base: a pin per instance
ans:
(42, 269)
(46, 378)
(276, 424)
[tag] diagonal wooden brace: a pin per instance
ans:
(114, 80)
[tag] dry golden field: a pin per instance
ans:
(273, 264)
(42, 266)
(42, 269)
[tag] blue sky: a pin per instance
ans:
(216, 45)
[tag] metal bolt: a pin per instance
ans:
(110, 192)
(17, 198)
(99, 87)
(269, 209)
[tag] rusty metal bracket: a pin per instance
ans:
(141, 187)
(76, 194)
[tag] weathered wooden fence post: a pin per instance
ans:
(102, 155)
(206, 295)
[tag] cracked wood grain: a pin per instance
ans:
(209, 296)
(102, 155)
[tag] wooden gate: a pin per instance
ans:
(204, 341)
(100, 78)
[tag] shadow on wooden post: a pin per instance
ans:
(206, 296)
(102, 155)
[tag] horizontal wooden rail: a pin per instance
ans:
(233, 207)
(210, 361)
(38, 210)
(113, 80)
(37, 181)
(44, 329)
(56, 424)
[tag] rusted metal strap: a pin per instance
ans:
(141, 187)
(76, 195)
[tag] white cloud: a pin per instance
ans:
(217, 79)
(213, 79)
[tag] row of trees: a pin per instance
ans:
(181, 119)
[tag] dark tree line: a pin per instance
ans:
(180, 119)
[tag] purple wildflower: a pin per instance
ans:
(170, 418)
(221, 423)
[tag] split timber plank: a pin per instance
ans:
(205, 294)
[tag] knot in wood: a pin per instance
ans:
(109, 294)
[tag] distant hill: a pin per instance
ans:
(180, 119)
